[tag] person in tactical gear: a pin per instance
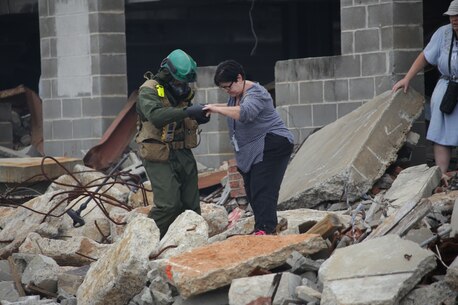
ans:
(167, 130)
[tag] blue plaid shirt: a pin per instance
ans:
(257, 118)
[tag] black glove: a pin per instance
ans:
(195, 111)
(203, 120)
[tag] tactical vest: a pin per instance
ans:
(154, 144)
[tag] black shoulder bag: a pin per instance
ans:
(451, 94)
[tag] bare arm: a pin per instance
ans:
(418, 65)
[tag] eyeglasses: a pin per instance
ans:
(228, 87)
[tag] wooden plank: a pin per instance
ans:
(18, 170)
(327, 226)
(412, 218)
(393, 220)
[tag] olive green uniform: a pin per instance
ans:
(173, 181)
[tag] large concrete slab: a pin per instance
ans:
(412, 184)
(379, 271)
(18, 170)
(209, 267)
(349, 154)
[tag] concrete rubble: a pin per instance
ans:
(364, 143)
(354, 228)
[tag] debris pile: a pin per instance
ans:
(21, 119)
(355, 227)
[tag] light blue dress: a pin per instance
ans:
(443, 128)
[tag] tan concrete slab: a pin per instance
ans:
(18, 170)
(209, 267)
(348, 155)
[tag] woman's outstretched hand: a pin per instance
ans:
(403, 83)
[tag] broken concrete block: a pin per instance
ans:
(121, 273)
(412, 184)
(41, 272)
(75, 251)
(189, 230)
(136, 199)
(300, 264)
(27, 300)
(144, 298)
(8, 291)
(350, 154)
(451, 278)
(249, 289)
(5, 272)
(121, 218)
(160, 290)
(5, 215)
(216, 265)
(419, 235)
(436, 293)
(96, 227)
(351, 272)
(308, 294)
(69, 281)
(28, 220)
(216, 217)
(32, 300)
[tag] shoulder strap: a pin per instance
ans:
(150, 83)
(450, 54)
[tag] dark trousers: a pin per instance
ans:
(262, 182)
(174, 186)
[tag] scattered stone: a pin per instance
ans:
(121, 272)
(42, 272)
(357, 269)
(436, 293)
(249, 289)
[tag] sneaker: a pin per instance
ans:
(259, 232)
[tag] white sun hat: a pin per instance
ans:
(452, 9)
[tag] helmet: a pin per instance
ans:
(181, 66)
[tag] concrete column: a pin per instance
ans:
(83, 83)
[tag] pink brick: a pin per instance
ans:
(234, 184)
(232, 162)
(238, 193)
(234, 176)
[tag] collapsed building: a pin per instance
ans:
(373, 226)
(351, 220)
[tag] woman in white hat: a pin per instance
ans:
(442, 52)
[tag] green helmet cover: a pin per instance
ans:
(181, 66)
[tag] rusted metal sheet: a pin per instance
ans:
(116, 139)
(22, 96)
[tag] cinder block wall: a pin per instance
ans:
(6, 125)
(83, 84)
(380, 40)
(215, 147)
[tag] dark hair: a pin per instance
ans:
(227, 71)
